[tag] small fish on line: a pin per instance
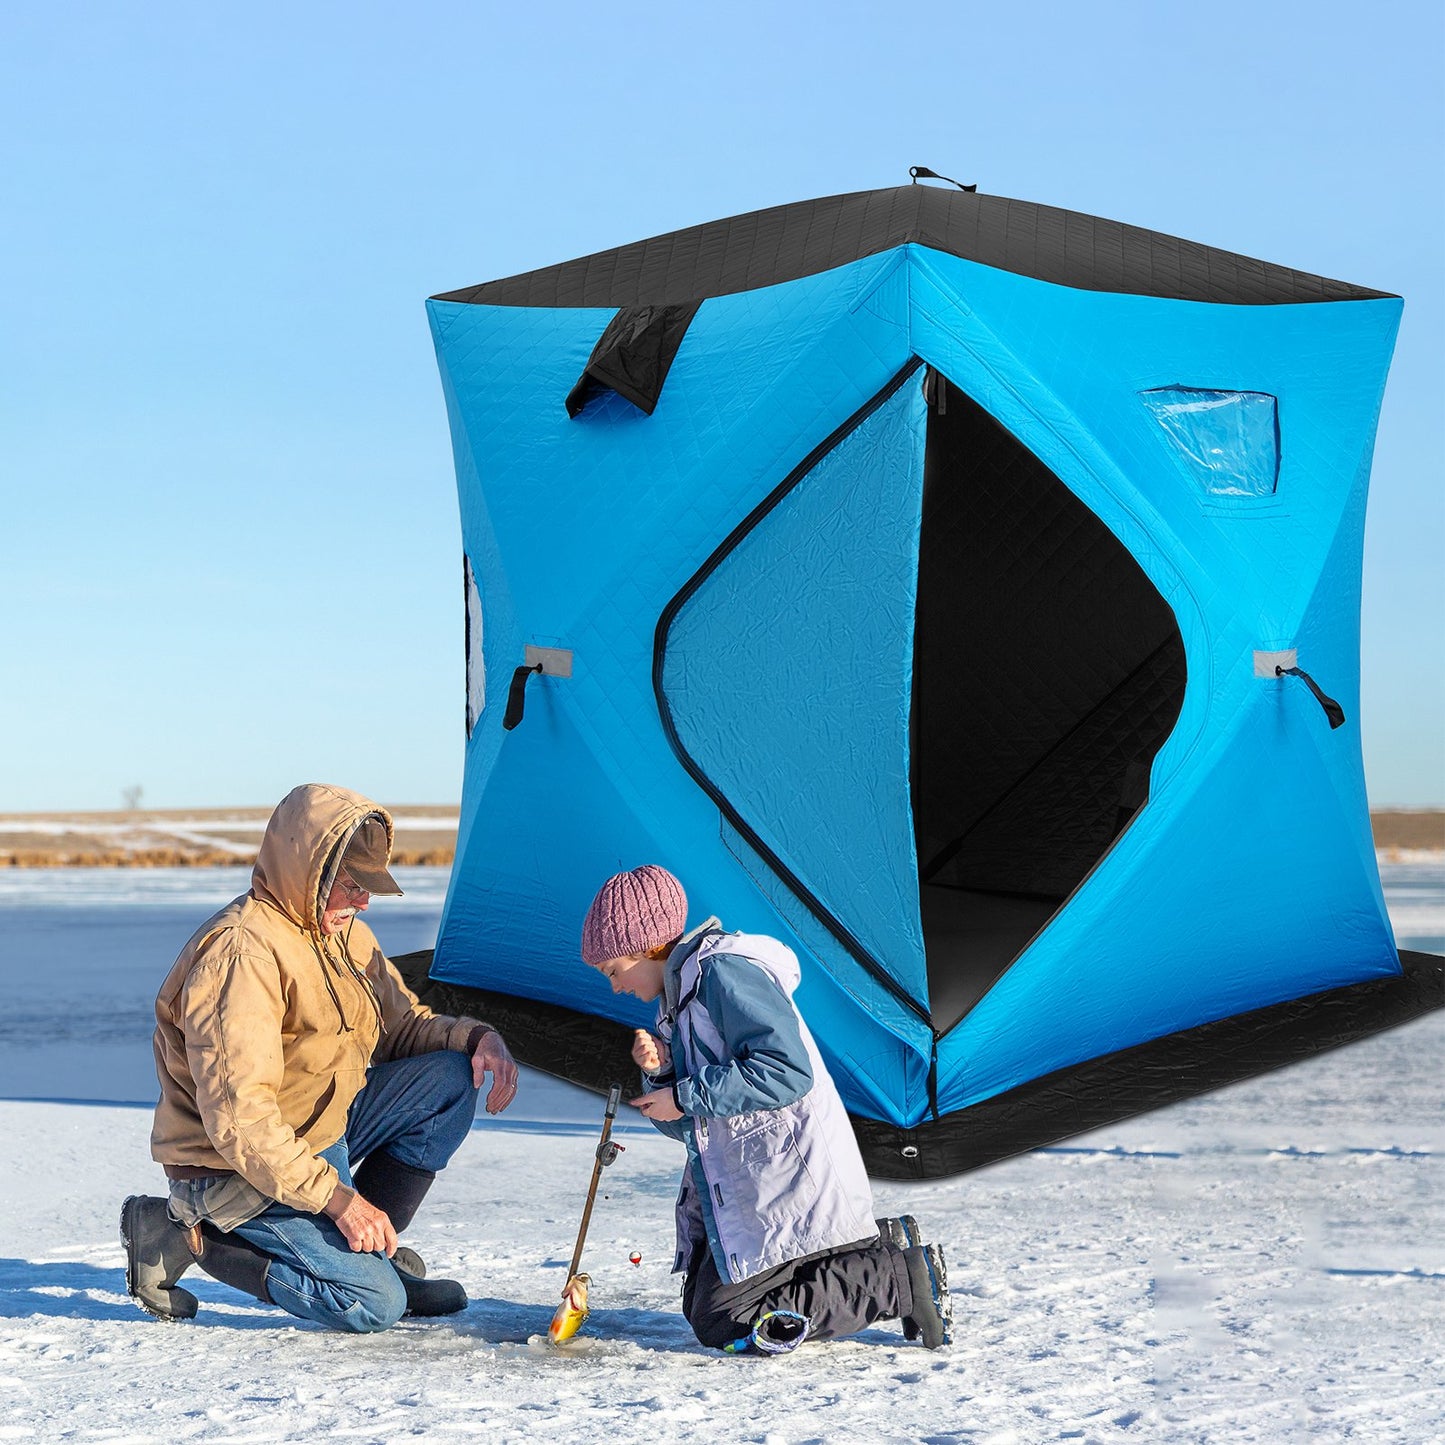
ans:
(572, 1312)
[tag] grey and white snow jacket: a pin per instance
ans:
(774, 1173)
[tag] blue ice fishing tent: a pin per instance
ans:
(962, 590)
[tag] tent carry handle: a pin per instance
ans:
(922, 173)
(1333, 710)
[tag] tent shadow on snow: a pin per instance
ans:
(963, 590)
(71, 1290)
(65, 1290)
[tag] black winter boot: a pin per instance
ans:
(932, 1314)
(408, 1261)
(426, 1297)
(157, 1253)
(234, 1261)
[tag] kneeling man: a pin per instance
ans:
(307, 1099)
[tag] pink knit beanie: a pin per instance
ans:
(632, 913)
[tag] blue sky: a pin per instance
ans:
(229, 537)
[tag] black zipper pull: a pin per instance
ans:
(935, 390)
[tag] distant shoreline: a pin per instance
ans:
(178, 858)
(426, 836)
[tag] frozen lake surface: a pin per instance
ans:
(83, 950)
(1263, 1264)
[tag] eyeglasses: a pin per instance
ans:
(351, 889)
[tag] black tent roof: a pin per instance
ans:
(783, 243)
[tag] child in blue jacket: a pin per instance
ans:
(775, 1227)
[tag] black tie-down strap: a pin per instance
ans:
(1333, 710)
(517, 696)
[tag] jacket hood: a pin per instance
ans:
(772, 956)
(301, 852)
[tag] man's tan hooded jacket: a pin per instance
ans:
(265, 1027)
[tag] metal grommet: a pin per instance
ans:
(909, 1151)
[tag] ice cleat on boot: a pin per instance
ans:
(426, 1297)
(932, 1313)
(901, 1231)
(157, 1253)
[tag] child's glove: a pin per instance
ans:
(649, 1053)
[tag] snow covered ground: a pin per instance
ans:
(1265, 1264)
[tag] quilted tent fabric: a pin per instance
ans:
(1168, 839)
(785, 243)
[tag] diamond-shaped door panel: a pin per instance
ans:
(785, 676)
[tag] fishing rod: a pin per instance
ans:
(573, 1311)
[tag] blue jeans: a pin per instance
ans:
(419, 1110)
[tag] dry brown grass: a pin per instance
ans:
(1411, 828)
(62, 856)
(423, 857)
(145, 838)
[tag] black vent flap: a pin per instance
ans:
(633, 355)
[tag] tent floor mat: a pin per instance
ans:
(1152, 1075)
(596, 1053)
(581, 1048)
(970, 938)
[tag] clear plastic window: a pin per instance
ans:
(1228, 439)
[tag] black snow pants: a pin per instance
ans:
(841, 1292)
